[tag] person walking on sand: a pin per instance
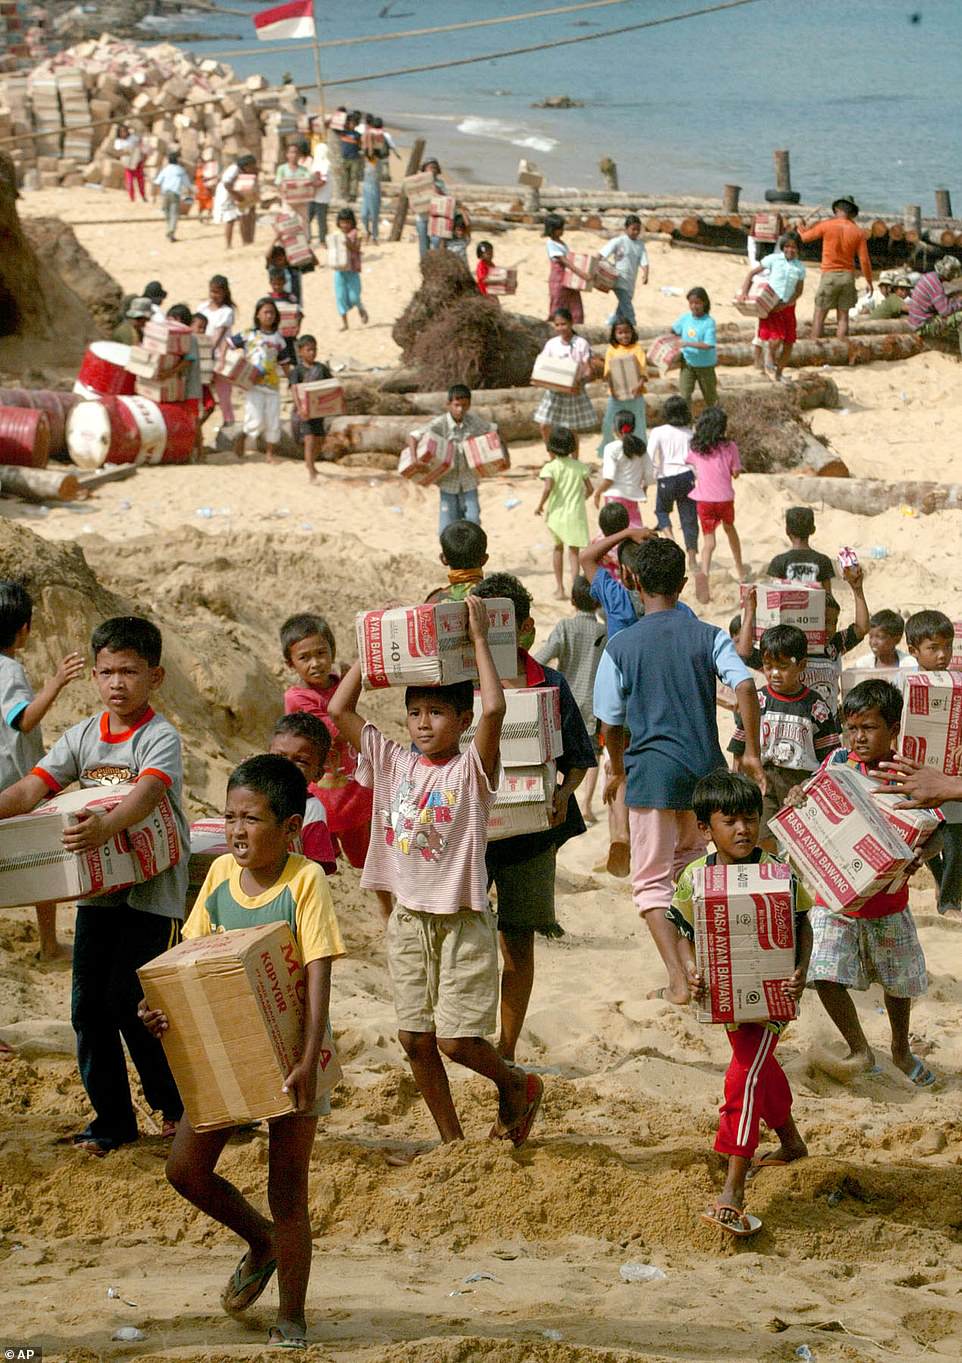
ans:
(842, 240)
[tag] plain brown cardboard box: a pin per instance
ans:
(235, 1004)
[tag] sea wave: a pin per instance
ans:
(500, 130)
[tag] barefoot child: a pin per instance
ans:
(308, 645)
(260, 882)
(433, 805)
(121, 930)
(566, 487)
(878, 941)
(21, 742)
(309, 429)
(344, 249)
(522, 868)
(728, 808)
(699, 355)
(264, 346)
(717, 464)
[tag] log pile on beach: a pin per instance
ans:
(57, 122)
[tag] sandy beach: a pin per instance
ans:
(861, 1255)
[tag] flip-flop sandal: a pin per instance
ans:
(519, 1133)
(770, 1161)
(745, 1225)
(239, 1282)
(287, 1339)
(921, 1075)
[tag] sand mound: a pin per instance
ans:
(45, 321)
(474, 1349)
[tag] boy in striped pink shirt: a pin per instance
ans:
(428, 839)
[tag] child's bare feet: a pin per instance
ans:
(619, 860)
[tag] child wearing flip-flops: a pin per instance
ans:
(427, 850)
(877, 942)
(728, 808)
(261, 882)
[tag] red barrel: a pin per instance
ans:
(118, 430)
(57, 405)
(103, 371)
(180, 419)
(24, 437)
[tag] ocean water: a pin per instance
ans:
(866, 94)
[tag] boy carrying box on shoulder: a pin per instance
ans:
(260, 882)
(121, 930)
(728, 808)
(427, 849)
(459, 486)
(878, 941)
(797, 727)
(21, 742)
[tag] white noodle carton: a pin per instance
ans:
(522, 802)
(744, 920)
(531, 732)
(429, 645)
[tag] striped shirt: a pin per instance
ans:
(929, 300)
(430, 826)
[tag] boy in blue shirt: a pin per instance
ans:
(657, 680)
(699, 354)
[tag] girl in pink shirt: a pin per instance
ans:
(716, 464)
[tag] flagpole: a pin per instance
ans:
(317, 65)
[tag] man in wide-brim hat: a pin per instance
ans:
(842, 241)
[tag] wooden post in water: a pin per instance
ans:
(783, 172)
(730, 198)
(401, 207)
(609, 172)
(913, 222)
(943, 203)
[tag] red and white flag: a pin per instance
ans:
(293, 20)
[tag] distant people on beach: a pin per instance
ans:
(131, 330)
(932, 311)
(559, 260)
(230, 206)
(425, 242)
(130, 145)
(173, 182)
(323, 179)
(627, 254)
(778, 331)
(293, 168)
(842, 241)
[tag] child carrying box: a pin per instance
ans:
(307, 642)
(308, 369)
(428, 849)
(261, 882)
(459, 486)
(878, 941)
(118, 931)
(728, 808)
(21, 742)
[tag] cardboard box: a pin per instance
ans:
(485, 454)
(521, 804)
(932, 720)
(166, 337)
(235, 1003)
(429, 645)
(557, 372)
(319, 398)
(442, 228)
(420, 190)
(624, 374)
(767, 226)
(297, 189)
(760, 301)
(853, 675)
(789, 604)
(584, 261)
(665, 351)
(290, 315)
(35, 866)
(244, 188)
(840, 842)
(955, 662)
(744, 942)
(150, 364)
(208, 841)
(604, 276)
(337, 252)
(433, 458)
(234, 366)
(205, 349)
(501, 282)
(529, 174)
(170, 389)
(531, 732)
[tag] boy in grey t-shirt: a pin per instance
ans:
(21, 742)
(118, 932)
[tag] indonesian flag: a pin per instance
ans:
(293, 20)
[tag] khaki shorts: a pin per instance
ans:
(444, 971)
(836, 290)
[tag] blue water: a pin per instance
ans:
(868, 102)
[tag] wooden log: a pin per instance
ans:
(943, 203)
(691, 227)
(401, 208)
(730, 195)
(870, 496)
(819, 460)
(783, 172)
(107, 473)
(39, 485)
(854, 350)
(912, 220)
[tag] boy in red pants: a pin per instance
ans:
(728, 808)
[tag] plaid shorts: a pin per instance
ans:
(856, 952)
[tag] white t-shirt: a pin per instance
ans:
(218, 320)
(321, 165)
(905, 661)
(555, 248)
(627, 475)
(628, 256)
(578, 349)
(668, 448)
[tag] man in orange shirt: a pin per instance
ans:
(841, 241)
